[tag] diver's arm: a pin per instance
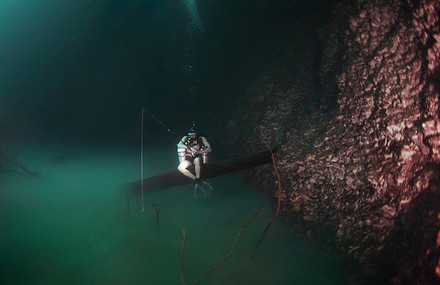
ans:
(182, 145)
(207, 148)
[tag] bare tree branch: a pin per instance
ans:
(232, 249)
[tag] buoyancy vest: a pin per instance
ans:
(194, 142)
(198, 141)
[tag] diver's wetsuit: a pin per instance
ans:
(197, 144)
(193, 150)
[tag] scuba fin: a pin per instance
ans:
(202, 189)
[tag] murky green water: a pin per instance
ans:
(74, 225)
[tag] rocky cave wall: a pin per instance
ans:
(363, 177)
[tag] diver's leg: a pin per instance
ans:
(199, 192)
(197, 167)
(202, 185)
(183, 169)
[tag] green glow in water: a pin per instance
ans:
(72, 226)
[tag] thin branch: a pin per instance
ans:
(280, 188)
(14, 162)
(157, 209)
(232, 249)
(277, 213)
(182, 253)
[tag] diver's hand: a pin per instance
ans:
(194, 152)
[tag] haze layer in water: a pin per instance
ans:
(75, 225)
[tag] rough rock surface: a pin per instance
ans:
(364, 178)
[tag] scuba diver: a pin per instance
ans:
(193, 149)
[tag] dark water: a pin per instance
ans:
(81, 70)
(74, 76)
(72, 225)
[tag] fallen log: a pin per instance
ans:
(174, 178)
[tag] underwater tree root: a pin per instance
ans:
(260, 240)
(157, 210)
(6, 161)
(225, 259)
(277, 213)
(182, 252)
